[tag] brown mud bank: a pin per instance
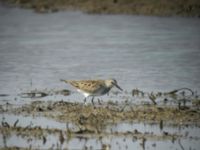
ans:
(137, 117)
(94, 117)
(96, 122)
(136, 7)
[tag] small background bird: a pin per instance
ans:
(93, 87)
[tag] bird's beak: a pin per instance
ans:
(118, 87)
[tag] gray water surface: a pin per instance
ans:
(149, 53)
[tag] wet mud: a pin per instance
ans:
(99, 120)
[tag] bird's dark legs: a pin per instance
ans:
(84, 100)
(92, 100)
(99, 101)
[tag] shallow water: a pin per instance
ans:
(32, 121)
(149, 53)
(115, 142)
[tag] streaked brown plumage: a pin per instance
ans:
(93, 87)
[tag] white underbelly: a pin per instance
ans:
(84, 93)
(98, 93)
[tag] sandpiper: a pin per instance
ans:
(93, 87)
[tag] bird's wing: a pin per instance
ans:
(89, 86)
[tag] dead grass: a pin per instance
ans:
(143, 7)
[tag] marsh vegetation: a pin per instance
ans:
(56, 124)
(136, 7)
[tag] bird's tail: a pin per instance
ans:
(66, 81)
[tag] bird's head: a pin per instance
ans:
(112, 82)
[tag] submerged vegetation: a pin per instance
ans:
(136, 7)
(175, 108)
(94, 119)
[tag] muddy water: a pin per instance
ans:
(149, 53)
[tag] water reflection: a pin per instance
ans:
(142, 136)
(114, 143)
